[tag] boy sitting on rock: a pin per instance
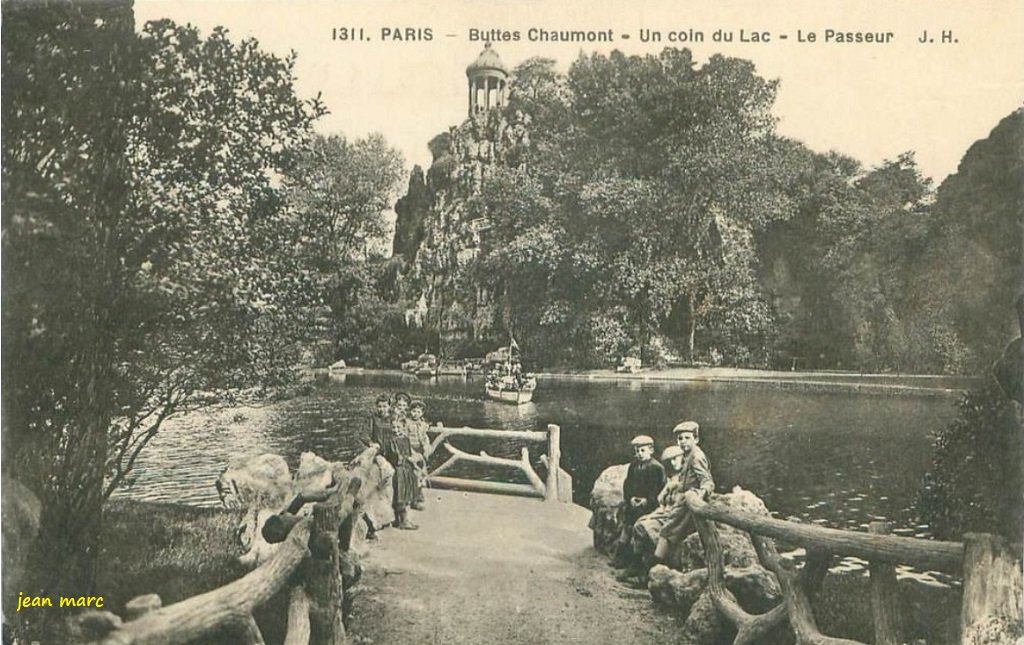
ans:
(645, 478)
(694, 475)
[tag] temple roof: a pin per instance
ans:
(488, 60)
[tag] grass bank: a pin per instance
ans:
(171, 550)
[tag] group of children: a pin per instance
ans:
(398, 428)
(655, 515)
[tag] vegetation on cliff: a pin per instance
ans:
(646, 206)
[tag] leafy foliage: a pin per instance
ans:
(635, 166)
(976, 481)
(147, 256)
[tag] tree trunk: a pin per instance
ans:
(693, 327)
(73, 393)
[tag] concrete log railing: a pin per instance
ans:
(990, 568)
(556, 488)
(309, 561)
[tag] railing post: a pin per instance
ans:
(884, 597)
(554, 462)
(323, 577)
(992, 588)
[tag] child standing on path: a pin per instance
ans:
(417, 430)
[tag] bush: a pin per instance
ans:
(975, 481)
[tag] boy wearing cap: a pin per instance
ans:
(645, 478)
(647, 529)
(695, 475)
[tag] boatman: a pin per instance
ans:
(645, 478)
(695, 475)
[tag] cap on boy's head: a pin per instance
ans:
(417, 404)
(642, 440)
(670, 452)
(383, 398)
(687, 426)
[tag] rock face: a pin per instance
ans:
(257, 550)
(605, 504)
(314, 473)
(438, 230)
(681, 587)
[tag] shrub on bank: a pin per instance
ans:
(975, 483)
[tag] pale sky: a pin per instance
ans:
(870, 101)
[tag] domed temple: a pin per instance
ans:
(439, 229)
(488, 78)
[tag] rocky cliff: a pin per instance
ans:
(439, 232)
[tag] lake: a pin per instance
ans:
(840, 459)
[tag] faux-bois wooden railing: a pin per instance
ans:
(310, 561)
(991, 573)
(557, 487)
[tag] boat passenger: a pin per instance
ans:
(645, 478)
(695, 475)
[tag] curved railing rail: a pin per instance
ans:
(556, 487)
(989, 565)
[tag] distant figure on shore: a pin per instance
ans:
(647, 529)
(694, 475)
(645, 478)
(417, 431)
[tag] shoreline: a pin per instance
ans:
(823, 381)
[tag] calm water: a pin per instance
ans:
(838, 459)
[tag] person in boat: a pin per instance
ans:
(645, 478)
(647, 529)
(516, 372)
(417, 431)
(694, 475)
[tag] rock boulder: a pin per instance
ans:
(261, 480)
(605, 504)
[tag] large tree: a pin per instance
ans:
(147, 258)
(650, 174)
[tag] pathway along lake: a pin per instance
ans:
(839, 459)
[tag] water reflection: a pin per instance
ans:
(836, 459)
